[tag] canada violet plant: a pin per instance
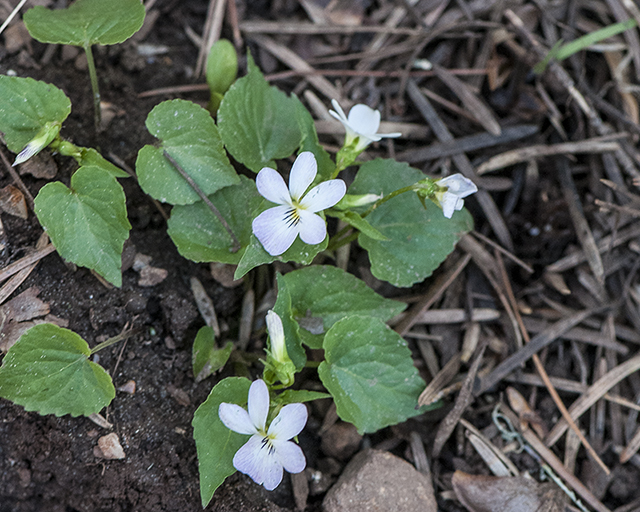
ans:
(219, 215)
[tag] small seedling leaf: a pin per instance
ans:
(48, 371)
(26, 108)
(369, 371)
(208, 359)
(190, 136)
(419, 238)
(199, 234)
(87, 223)
(258, 123)
(215, 443)
(86, 22)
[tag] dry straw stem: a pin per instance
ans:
(515, 156)
(296, 62)
(468, 143)
(605, 244)
(510, 468)
(455, 316)
(595, 392)
(583, 231)
(212, 30)
(464, 398)
(567, 82)
(632, 447)
(556, 464)
(480, 112)
(19, 277)
(542, 372)
(432, 392)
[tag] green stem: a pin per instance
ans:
(336, 244)
(111, 341)
(387, 197)
(94, 86)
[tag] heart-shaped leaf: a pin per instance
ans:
(215, 443)
(258, 123)
(332, 294)
(369, 371)
(191, 138)
(27, 106)
(48, 370)
(87, 223)
(86, 22)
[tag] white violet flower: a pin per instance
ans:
(361, 125)
(458, 187)
(268, 451)
(278, 227)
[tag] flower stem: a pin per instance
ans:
(335, 243)
(387, 197)
(94, 86)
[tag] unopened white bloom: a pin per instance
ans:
(361, 125)
(268, 451)
(42, 139)
(457, 188)
(278, 227)
(276, 334)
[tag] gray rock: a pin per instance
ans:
(377, 481)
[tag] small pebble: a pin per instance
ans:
(128, 387)
(109, 447)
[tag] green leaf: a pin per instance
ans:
(89, 156)
(86, 22)
(191, 138)
(206, 358)
(199, 235)
(215, 443)
(258, 122)
(370, 374)
(355, 220)
(298, 396)
(333, 294)
(87, 223)
(48, 370)
(291, 328)
(27, 106)
(311, 143)
(255, 255)
(419, 238)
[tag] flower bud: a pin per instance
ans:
(355, 200)
(278, 365)
(42, 139)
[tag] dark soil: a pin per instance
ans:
(48, 463)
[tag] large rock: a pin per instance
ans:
(377, 481)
